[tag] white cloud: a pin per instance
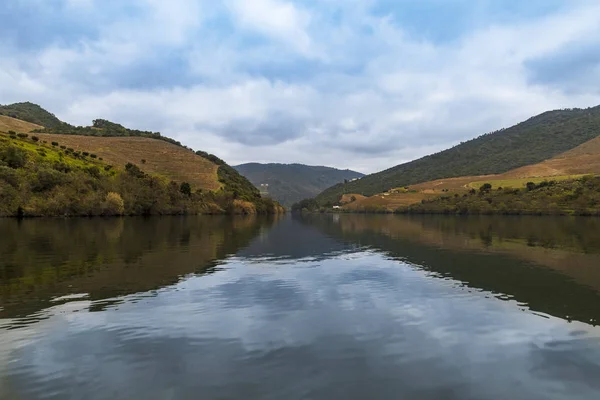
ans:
(351, 91)
(281, 20)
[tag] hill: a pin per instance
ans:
(30, 112)
(571, 165)
(153, 156)
(533, 141)
(162, 163)
(8, 124)
(289, 183)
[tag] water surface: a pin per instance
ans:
(316, 307)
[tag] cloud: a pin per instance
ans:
(365, 85)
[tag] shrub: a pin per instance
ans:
(62, 167)
(530, 186)
(85, 153)
(9, 176)
(93, 155)
(143, 161)
(12, 133)
(93, 171)
(107, 167)
(134, 170)
(46, 179)
(41, 152)
(100, 158)
(70, 149)
(22, 135)
(13, 136)
(186, 189)
(14, 157)
(54, 144)
(63, 147)
(486, 187)
(114, 204)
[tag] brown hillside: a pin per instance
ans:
(583, 159)
(347, 198)
(162, 158)
(13, 124)
(387, 201)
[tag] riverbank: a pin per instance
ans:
(579, 197)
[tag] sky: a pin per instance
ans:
(359, 84)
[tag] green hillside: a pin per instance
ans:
(568, 197)
(535, 140)
(42, 179)
(289, 183)
(31, 113)
(79, 166)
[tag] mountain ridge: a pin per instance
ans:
(534, 140)
(289, 183)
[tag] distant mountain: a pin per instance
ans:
(530, 142)
(289, 183)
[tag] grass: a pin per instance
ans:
(12, 124)
(161, 158)
(38, 150)
(387, 202)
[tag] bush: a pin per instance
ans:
(54, 144)
(93, 155)
(12, 133)
(100, 158)
(63, 147)
(22, 135)
(14, 157)
(35, 138)
(186, 189)
(9, 176)
(134, 170)
(107, 167)
(13, 136)
(46, 179)
(85, 153)
(93, 171)
(143, 161)
(486, 187)
(114, 204)
(62, 167)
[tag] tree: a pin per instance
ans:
(186, 189)
(486, 187)
(14, 157)
(114, 204)
(134, 170)
(530, 186)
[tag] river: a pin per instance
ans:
(312, 307)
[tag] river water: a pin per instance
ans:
(314, 307)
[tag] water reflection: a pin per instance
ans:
(313, 307)
(42, 261)
(551, 265)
